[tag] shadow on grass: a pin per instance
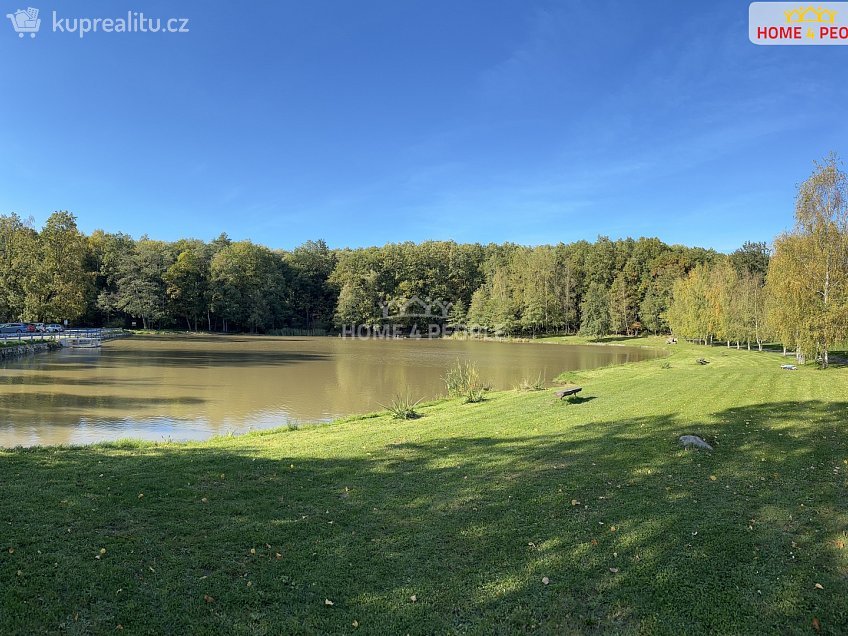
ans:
(633, 533)
(576, 399)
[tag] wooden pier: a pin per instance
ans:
(74, 338)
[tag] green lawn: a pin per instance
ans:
(449, 523)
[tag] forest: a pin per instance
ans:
(794, 292)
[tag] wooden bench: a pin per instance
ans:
(572, 390)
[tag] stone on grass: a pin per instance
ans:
(690, 441)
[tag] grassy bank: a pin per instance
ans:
(456, 521)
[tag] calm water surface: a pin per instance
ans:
(194, 387)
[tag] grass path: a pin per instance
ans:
(449, 523)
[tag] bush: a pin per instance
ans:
(463, 380)
(402, 407)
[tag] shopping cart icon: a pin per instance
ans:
(25, 21)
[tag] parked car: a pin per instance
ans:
(54, 328)
(30, 327)
(40, 327)
(13, 327)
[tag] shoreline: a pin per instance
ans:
(15, 352)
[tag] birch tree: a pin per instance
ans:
(809, 281)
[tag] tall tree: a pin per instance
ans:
(248, 284)
(689, 314)
(311, 297)
(821, 284)
(18, 255)
(595, 310)
(58, 285)
(187, 281)
(141, 288)
(751, 258)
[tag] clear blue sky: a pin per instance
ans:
(373, 121)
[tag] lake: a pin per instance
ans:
(193, 387)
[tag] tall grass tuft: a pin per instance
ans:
(527, 384)
(402, 407)
(463, 380)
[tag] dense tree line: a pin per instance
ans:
(112, 279)
(58, 273)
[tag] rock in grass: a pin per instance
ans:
(690, 441)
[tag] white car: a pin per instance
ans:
(54, 328)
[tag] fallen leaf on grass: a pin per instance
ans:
(819, 586)
(574, 502)
(614, 570)
(141, 495)
(816, 624)
(204, 500)
(355, 623)
(328, 602)
(208, 599)
(413, 598)
(545, 580)
(713, 477)
(253, 550)
(278, 555)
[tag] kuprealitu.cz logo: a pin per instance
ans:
(25, 21)
(28, 22)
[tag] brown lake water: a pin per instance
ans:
(193, 387)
